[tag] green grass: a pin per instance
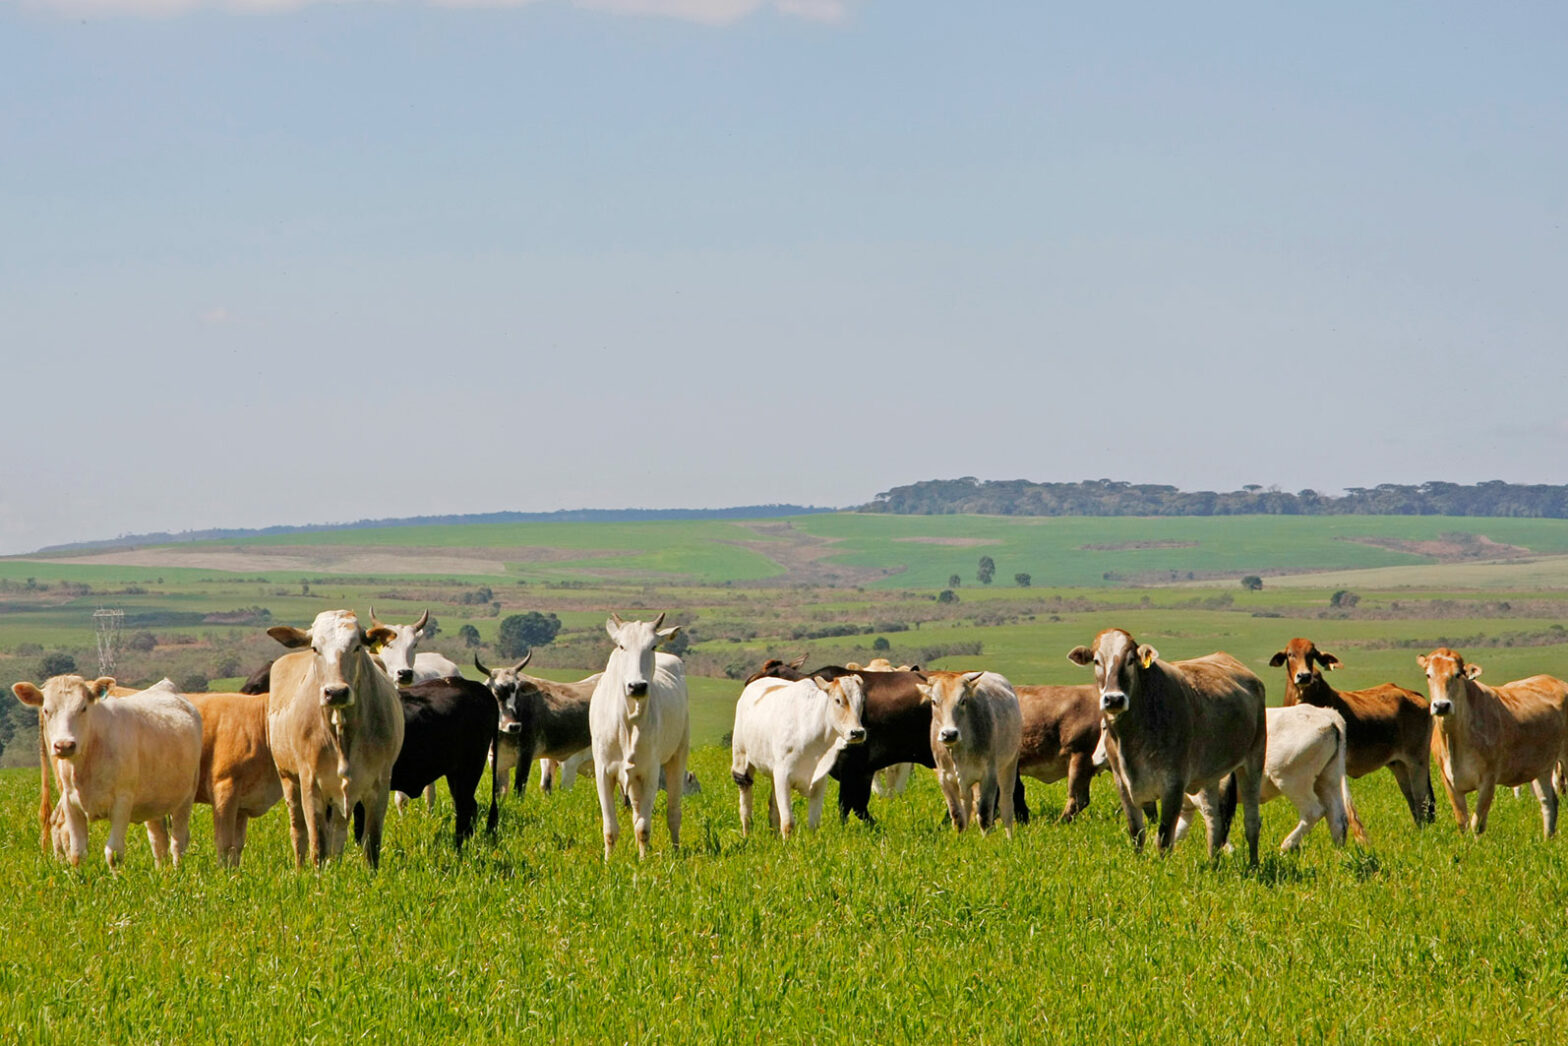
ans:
(902, 932)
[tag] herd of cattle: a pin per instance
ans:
(354, 715)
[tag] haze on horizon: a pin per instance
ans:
(279, 262)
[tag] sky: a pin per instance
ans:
(282, 262)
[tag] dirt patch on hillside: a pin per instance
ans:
(802, 556)
(1450, 548)
(1127, 546)
(954, 542)
(339, 559)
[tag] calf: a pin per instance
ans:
(131, 760)
(335, 725)
(449, 727)
(1173, 728)
(794, 731)
(1512, 734)
(975, 732)
(1306, 764)
(637, 718)
(1385, 725)
(238, 777)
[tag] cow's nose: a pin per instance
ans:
(637, 689)
(65, 749)
(334, 695)
(948, 736)
(1113, 702)
(514, 727)
(857, 735)
(1442, 707)
(1303, 678)
(405, 676)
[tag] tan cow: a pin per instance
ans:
(238, 777)
(130, 760)
(1174, 728)
(975, 730)
(1486, 736)
(335, 724)
(1061, 730)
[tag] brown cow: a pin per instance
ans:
(1385, 725)
(1061, 731)
(1485, 736)
(238, 778)
(1173, 728)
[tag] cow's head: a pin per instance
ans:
(1446, 679)
(846, 704)
(513, 691)
(635, 642)
(65, 706)
(341, 649)
(1301, 657)
(397, 653)
(1119, 663)
(773, 668)
(950, 695)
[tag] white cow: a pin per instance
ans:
(976, 733)
(133, 759)
(405, 668)
(638, 721)
(793, 730)
(1305, 762)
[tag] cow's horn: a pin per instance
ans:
(419, 626)
(658, 621)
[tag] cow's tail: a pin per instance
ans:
(45, 799)
(495, 761)
(1342, 742)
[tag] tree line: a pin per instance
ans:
(1104, 497)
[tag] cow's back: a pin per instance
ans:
(146, 747)
(1225, 701)
(1057, 723)
(234, 749)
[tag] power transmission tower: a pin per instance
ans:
(109, 624)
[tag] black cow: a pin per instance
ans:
(260, 681)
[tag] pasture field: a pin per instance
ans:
(902, 931)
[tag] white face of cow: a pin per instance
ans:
(1446, 676)
(397, 653)
(632, 660)
(846, 705)
(950, 698)
(1118, 662)
(65, 706)
(512, 690)
(336, 641)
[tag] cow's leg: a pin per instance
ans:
(744, 781)
(781, 794)
(1020, 801)
(430, 795)
(957, 806)
(1411, 791)
(815, 797)
(1007, 778)
(1483, 803)
(1249, 781)
(298, 827)
(237, 840)
(1170, 812)
(224, 813)
(180, 830)
(400, 801)
(1542, 787)
(158, 839)
(76, 833)
(984, 798)
(1132, 811)
(1456, 799)
(1184, 820)
(1080, 769)
(1332, 791)
(119, 821)
(1310, 810)
(465, 808)
(571, 767)
(375, 807)
(641, 788)
(547, 775)
(604, 780)
(674, 793)
(315, 819)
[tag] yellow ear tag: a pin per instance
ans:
(1148, 659)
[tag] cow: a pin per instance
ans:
(131, 760)
(975, 731)
(1385, 725)
(238, 777)
(335, 724)
(449, 727)
(1306, 764)
(398, 656)
(1173, 728)
(637, 718)
(793, 730)
(540, 719)
(1508, 735)
(259, 681)
(898, 730)
(1061, 729)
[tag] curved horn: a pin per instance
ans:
(480, 665)
(419, 626)
(526, 658)
(617, 619)
(374, 621)
(658, 621)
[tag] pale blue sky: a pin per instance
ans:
(327, 261)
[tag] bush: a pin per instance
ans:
(986, 570)
(58, 663)
(947, 595)
(1344, 599)
(469, 635)
(881, 645)
(142, 642)
(1252, 583)
(1022, 580)
(195, 683)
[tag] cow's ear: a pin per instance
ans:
(289, 636)
(612, 625)
(1421, 660)
(102, 685)
(925, 692)
(1147, 655)
(1081, 655)
(1328, 661)
(798, 661)
(1277, 660)
(28, 694)
(823, 682)
(860, 680)
(1472, 671)
(667, 634)
(378, 637)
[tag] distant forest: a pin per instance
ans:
(579, 515)
(1104, 497)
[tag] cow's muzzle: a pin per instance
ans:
(65, 749)
(948, 736)
(336, 696)
(636, 689)
(511, 727)
(405, 676)
(1113, 702)
(857, 735)
(1442, 706)
(1303, 678)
